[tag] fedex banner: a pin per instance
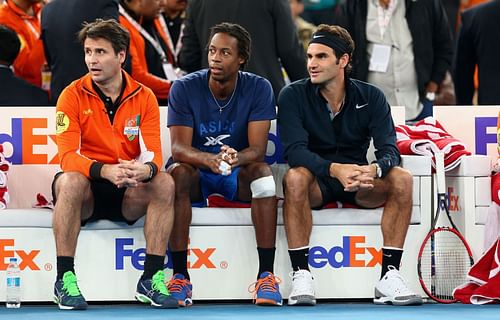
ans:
(476, 126)
(28, 136)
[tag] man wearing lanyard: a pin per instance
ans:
(172, 21)
(404, 57)
(23, 16)
(153, 63)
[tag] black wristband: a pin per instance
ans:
(95, 170)
(153, 171)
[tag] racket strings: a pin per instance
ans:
(444, 264)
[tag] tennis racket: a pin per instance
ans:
(444, 257)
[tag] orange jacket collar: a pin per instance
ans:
(130, 87)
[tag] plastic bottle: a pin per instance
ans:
(13, 297)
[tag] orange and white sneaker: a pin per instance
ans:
(181, 289)
(267, 290)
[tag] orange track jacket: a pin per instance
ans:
(137, 50)
(85, 133)
(31, 58)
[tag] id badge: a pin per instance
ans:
(379, 61)
(169, 70)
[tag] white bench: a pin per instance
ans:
(223, 258)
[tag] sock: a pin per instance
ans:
(299, 258)
(179, 261)
(390, 257)
(64, 264)
(266, 260)
(152, 264)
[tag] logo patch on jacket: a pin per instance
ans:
(131, 129)
(62, 122)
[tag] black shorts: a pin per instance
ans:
(332, 190)
(108, 201)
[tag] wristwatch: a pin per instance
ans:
(378, 174)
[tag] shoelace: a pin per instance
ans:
(158, 283)
(398, 283)
(267, 284)
(176, 285)
(70, 285)
(296, 275)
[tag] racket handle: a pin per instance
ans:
(440, 177)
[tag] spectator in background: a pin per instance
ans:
(398, 52)
(269, 23)
(23, 16)
(13, 90)
(478, 44)
(320, 11)
(153, 63)
(452, 7)
(61, 21)
(172, 20)
(304, 28)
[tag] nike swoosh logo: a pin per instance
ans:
(387, 255)
(361, 106)
(318, 36)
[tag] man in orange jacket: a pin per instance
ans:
(108, 138)
(23, 16)
(153, 63)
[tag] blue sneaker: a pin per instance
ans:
(267, 290)
(154, 292)
(67, 294)
(181, 289)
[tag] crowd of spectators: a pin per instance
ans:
(169, 38)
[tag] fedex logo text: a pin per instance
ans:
(345, 256)
(452, 200)
(23, 139)
(483, 138)
(124, 248)
(27, 258)
(277, 155)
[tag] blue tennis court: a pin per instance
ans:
(245, 310)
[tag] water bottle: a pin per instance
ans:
(13, 298)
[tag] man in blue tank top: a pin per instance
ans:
(219, 120)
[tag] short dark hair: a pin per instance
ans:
(235, 31)
(110, 30)
(9, 45)
(344, 35)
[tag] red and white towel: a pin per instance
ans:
(483, 286)
(428, 137)
(492, 224)
(4, 168)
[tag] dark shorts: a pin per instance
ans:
(108, 201)
(332, 190)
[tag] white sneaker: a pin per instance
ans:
(392, 289)
(302, 289)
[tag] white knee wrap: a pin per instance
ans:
(263, 187)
